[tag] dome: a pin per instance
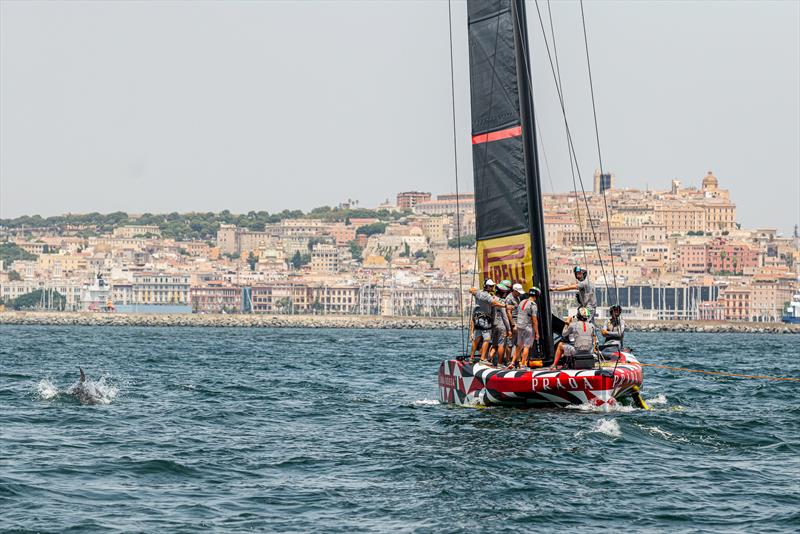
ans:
(710, 181)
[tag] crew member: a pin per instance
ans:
(580, 336)
(614, 331)
(585, 290)
(501, 329)
(483, 317)
(512, 302)
(527, 331)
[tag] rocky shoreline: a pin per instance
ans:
(339, 321)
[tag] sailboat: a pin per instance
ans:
(510, 225)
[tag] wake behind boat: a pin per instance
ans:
(511, 245)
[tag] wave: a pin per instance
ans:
(425, 402)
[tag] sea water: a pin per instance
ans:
(340, 430)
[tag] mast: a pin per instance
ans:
(532, 176)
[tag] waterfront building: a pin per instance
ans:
(160, 288)
(281, 297)
(216, 297)
(676, 302)
(69, 289)
(736, 303)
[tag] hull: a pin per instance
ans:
(468, 384)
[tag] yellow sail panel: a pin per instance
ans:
(506, 258)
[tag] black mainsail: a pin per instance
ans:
(508, 200)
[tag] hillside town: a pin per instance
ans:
(676, 253)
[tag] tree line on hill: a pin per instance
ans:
(196, 225)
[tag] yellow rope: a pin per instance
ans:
(720, 373)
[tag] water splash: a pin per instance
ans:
(658, 399)
(605, 408)
(46, 390)
(89, 392)
(426, 402)
(609, 427)
(94, 391)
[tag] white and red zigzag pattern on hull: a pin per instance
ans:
(467, 384)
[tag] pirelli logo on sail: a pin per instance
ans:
(506, 258)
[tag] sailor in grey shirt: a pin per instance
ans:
(585, 290)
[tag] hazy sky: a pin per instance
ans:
(181, 106)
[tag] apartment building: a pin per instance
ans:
(409, 199)
(216, 297)
(161, 288)
(324, 258)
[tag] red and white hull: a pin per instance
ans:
(470, 384)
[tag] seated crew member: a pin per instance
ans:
(585, 290)
(580, 336)
(614, 331)
(527, 331)
(512, 302)
(483, 317)
(501, 327)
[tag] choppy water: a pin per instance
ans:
(338, 430)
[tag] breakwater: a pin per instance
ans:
(341, 321)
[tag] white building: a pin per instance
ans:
(160, 288)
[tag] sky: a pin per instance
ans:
(204, 106)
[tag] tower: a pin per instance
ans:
(603, 182)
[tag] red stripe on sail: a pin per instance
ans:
(514, 131)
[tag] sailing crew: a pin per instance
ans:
(501, 328)
(483, 317)
(580, 336)
(527, 331)
(585, 290)
(614, 331)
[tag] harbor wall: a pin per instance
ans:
(339, 321)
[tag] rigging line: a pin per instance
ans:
(572, 147)
(560, 90)
(599, 153)
(546, 162)
(721, 373)
(573, 157)
(455, 166)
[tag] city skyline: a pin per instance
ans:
(227, 122)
